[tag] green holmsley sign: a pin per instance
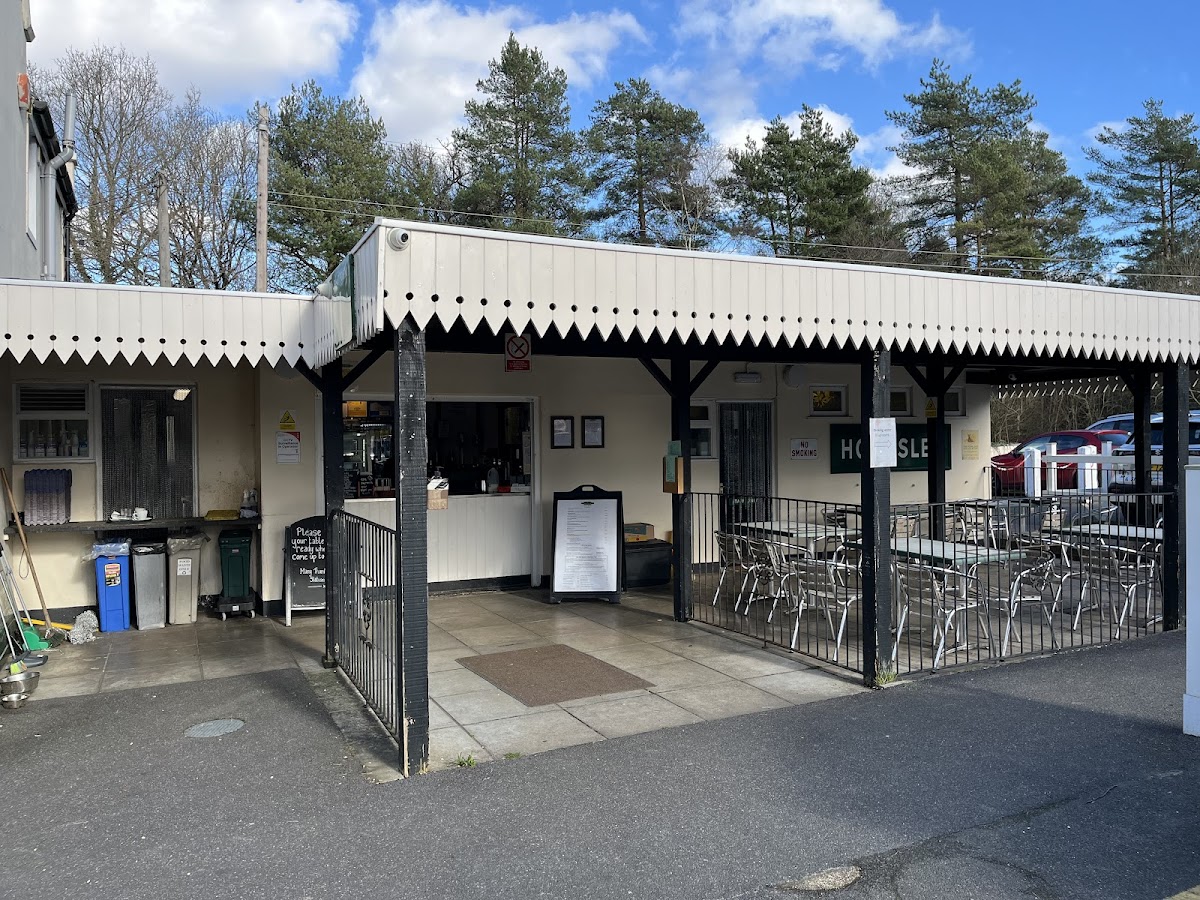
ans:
(912, 448)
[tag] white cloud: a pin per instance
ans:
(1118, 126)
(734, 134)
(792, 33)
(423, 59)
(231, 50)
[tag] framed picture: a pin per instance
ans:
(955, 403)
(562, 432)
(591, 431)
(828, 400)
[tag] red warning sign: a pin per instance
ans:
(518, 354)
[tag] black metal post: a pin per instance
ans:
(411, 454)
(681, 519)
(935, 434)
(875, 388)
(335, 489)
(1141, 382)
(1177, 391)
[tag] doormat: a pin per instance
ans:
(538, 676)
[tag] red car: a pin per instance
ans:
(1008, 469)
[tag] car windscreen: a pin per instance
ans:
(1156, 434)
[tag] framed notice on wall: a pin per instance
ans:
(588, 550)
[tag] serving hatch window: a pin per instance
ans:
(147, 451)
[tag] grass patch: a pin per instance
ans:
(466, 762)
(511, 755)
(885, 675)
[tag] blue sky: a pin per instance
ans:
(738, 63)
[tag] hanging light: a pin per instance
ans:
(182, 393)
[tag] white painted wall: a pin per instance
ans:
(18, 254)
(227, 461)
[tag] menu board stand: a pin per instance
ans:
(588, 531)
(304, 566)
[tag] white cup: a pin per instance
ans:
(140, 513)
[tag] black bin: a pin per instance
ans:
(647, 563)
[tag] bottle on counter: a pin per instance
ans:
(493, 478)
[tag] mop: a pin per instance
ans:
(29, 636)
(20, 661)
(53, 634)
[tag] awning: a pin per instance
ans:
(44, 319)
(517, 282)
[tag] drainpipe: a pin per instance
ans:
(51, 177)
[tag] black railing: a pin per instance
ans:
(972, 580)
(365, 612)
(781, 571)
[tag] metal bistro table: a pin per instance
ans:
(1118, 532)
(805, 534)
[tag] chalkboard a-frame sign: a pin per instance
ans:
(304, 566)
(588, 532)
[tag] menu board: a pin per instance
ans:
(588, 528)
(304, 565)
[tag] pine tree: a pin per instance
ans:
(795, 191)
(518, 149)
(644, 151)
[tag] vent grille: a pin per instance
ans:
(62, 398)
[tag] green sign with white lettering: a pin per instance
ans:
(912, 448)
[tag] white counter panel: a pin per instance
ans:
(479, 536)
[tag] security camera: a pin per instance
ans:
(397, 239)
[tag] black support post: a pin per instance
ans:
(1177, 390)
(681, 518)
(334, 483)
(1141, 383)
(935, 434)
(875, 389)
(412, 581)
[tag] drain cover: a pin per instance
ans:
(215, 728)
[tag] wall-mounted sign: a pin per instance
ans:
(354, 409)
(931, 407)
(912, 448)
(287, 422)
(518, 353)
(970, 443)
(287, 448)
(804, 448)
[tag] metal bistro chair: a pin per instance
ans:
(731, 557)
(1009, 587)
(981, 523)
(766, 569)
(832, 587)
(938, 595)
(1108, 570)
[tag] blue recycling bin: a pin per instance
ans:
(112, 591)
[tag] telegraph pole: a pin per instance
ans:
(164, 230)
(260, 216)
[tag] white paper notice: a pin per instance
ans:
(585, 546)
(183, 566)
(883, 443)
(287, 448)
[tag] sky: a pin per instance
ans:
(738, 62)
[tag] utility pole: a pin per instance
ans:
(164, 230)
(260, 216)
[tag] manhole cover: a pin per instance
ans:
(215, 728)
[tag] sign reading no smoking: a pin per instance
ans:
(518, 354)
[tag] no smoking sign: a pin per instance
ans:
(518, 353)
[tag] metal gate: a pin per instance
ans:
(364, 613)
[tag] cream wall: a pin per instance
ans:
(289, 492)
(227, 464)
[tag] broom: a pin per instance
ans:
(53, 635)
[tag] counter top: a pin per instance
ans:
(453, 497)
(144, 525)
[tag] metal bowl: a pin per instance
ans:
(13, 701)
(21, 683)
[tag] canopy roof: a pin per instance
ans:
(516, 282)
(44, 319)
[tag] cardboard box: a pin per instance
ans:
(638, 531)
(438, 494)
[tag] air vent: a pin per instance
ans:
(64, 398)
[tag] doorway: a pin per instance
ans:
(746, 459)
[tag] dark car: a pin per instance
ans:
(1008, 469)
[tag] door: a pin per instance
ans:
(746, 457)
